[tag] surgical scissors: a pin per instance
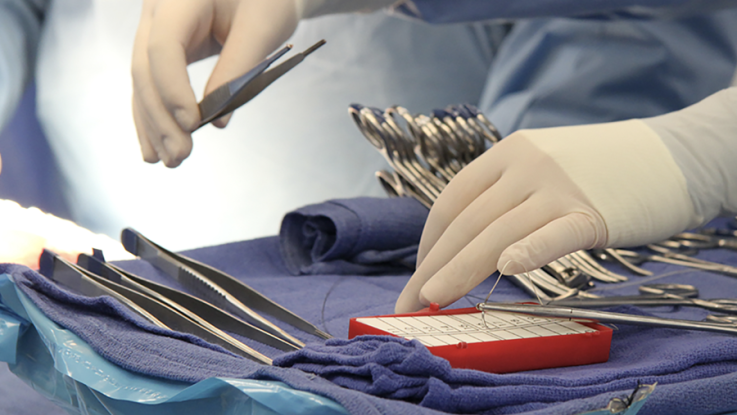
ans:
(606, 317)
(541, 285)
(611, 255)
(678, 259)
(382, 135)
(656, 295)
(701, 241)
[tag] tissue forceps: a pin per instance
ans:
(219, 288)
(606, 317)
(656, 295)
(231, 95)
(156, 312)
(201, 312)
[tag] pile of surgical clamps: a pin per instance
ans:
(426, 152)
(220, 305)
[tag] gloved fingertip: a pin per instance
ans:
(423, 300)
(407, 303)
(151, 158)
(434, 293)
(177, 149)
(513, 261)
(223, 121)
(186, 120)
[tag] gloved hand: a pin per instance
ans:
(173, 33)
(541, 194)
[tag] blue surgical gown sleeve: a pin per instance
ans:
(565, 71)
(451, 11)
(20, 28)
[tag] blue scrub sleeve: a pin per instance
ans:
(20, 28)
(447, 11)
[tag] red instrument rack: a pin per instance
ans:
(466, 344)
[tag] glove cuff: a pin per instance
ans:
(702, 140)
(629, 176)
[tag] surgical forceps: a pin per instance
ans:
(606, 317)
(656, 295)
(193, 308)
(231, 95)
(218, 288)
(159, 313)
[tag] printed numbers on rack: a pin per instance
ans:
(440, 330)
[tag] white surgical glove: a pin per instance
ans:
(703, 141)
(173, 33)
(541, 194)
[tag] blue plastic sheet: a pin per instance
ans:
(64, 369)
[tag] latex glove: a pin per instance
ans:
(541, 194)
(173, 33)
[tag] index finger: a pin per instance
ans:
(466, 187)
(177, 28)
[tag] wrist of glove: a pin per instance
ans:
(541, 194)
(703, 141)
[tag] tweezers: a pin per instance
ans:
(192, 307)
(158, 313)
(231, 95)
(218, 288)
(606, 317)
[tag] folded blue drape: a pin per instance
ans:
(359, 236)
(402, 369)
